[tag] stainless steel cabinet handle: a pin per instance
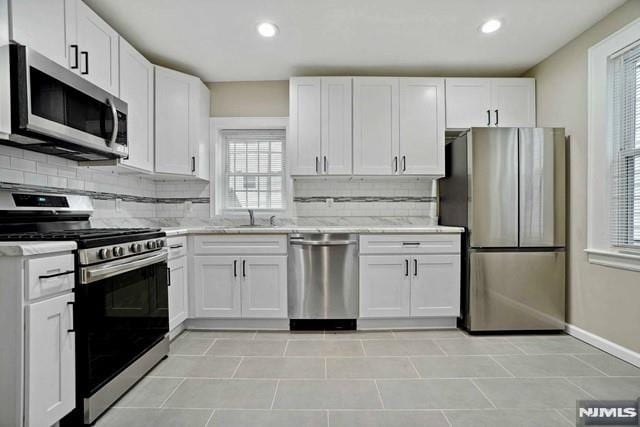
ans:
(168, 276)
(114, 114)
(244, 270)
(404, 163)
(497, 119)
(193, 163)
(85, 54)
(317, 170)
(488, 117)
(235, 270)
(75, 65)
(406, 267)
(325, 164)
(322, 242)
(415, 267)
(176, 246)
(395, 164)
(73, 325)
(49, 276)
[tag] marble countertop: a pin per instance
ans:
(391, 229)
(35, 248)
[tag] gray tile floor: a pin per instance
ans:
(400, 378)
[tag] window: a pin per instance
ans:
(624, 81)
(253, 169)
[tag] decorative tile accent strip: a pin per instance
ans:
(99, 195)
(365, 199)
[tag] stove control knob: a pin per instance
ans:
(160, 243)
(151, 244)
(135, 247)
(118, 251)
(104, 253)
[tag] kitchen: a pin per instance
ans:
(307, 218)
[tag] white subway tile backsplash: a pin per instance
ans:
(23, 165)
(35, 179)
(13, 176)
(46, 169)
(58, 182)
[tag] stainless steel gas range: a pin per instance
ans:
(121, 319)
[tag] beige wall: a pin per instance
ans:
(250, 99)
(601, 300)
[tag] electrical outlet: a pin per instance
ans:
(329, 202)
(118, 205)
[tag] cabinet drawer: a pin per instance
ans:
(177, 246)
(410, 243)
(236, 244)
(49, 275)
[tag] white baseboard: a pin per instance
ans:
(603, 344)
(176, 331)
(408, 323)
(238, 324)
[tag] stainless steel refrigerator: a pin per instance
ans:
(506, 186)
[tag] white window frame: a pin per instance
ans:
(601, 153)
(219, 124)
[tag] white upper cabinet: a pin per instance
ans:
(422, 123)
(98, 44)
(182, 124)
(305, 137)
(513, 101)
(494, 102)
(136, 89)
(336, 99)
(320, 141)
(468, 103)
(173, 97)
(375, 126)
(47, 26)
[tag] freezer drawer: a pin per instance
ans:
(511, 291)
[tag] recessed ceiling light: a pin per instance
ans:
(491, 26)
(267, 29)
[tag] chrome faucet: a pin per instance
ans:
(252, 220)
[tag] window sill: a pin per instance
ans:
(614, 259)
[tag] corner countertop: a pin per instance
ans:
(391, 229)
(35, 248)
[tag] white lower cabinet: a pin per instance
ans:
(385, 289)
(178, 297)
(50, 365)
(240, 286)
(418, 283)
(435, 285)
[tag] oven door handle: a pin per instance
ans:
(100, 272)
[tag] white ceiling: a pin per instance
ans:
(217, 39)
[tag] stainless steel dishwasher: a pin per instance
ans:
(323, 276)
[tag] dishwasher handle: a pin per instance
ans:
(323, 242)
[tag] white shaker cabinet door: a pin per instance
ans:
(337, 141)
(173, 102)
(435, 285)
(178, 297)
(48, 27)
(468, 103)
(422, 121)
(375, 126)
(385, 286)
(513, 101)
(98, 44)
(304, 143)
(136, 89)
(50, 361)
(264, 286)
(216, 286)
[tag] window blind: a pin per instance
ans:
(253, 169)
(625, 134)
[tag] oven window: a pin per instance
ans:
(55, 101)
(122, 317)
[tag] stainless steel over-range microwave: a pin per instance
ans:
(58, 112)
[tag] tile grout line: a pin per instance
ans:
(286, 346)
(326, 371)
(235, 371)
(491, 356)
(414, 367)
(327, 414)
(210, 346)
(483, 393)
(563, 417)
(275, 393)
(567, 379)
(375, 381)
(172, 393)
(210, 418)
(364, 352)
(440, 347)
(444, 414)
(590, 365)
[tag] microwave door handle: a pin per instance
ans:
(114, 112)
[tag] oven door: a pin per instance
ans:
(56, 111)
(121, 312)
